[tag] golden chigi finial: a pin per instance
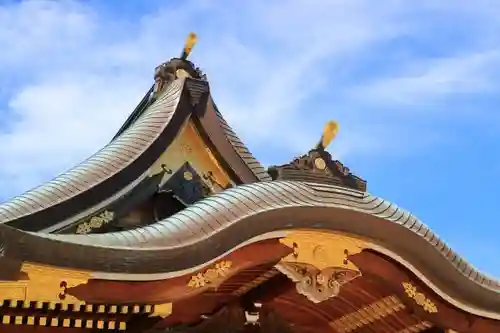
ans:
(329, 133)
(188, 46)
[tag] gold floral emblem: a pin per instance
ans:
(185, 149)
(202, 279)
(419, 298)
(95, 222)
(188, 175)
(320, 163)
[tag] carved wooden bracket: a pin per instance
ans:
(320, 262)
(317, 285)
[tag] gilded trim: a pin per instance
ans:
(95, 222)
(162, 310)
(322, 249)
(319, 264)
(61, 321)
(364, 316)
(423, 325)
(190, 147)
(419, 298)
(44, 284)
(317, 285)
(211, 275)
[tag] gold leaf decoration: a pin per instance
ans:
(329, 133)
(202, 279)
(188, 175)
(95, 222)
(419, 298)
(321, 249)
(185, 150)
(190, 43)
(320, 163)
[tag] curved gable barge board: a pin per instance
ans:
(106, 172)
(240, 148)
(226, 145)
(191, 237)
(138, 111)
(120, 203)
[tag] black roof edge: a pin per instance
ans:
(138, 111)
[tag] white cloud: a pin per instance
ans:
(73, 73)
(439, 78)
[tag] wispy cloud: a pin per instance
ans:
(394, 73)
(433, 79)
(72, 71)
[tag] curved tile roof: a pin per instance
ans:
(81, 188)
(204, 218)
(217, 224)
(104, 164)
(247, 157)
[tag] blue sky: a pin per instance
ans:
(413, 84)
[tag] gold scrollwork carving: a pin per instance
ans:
(320, 262)
(167, 170)
(215, 186)
(64, 289)
(95, 222)
(419, 298)
(45, 284)
(185, 149)
(209, 276)
(317, 285)
(322, 249)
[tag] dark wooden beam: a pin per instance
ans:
(142, 323)
(434, 330)
(269, 290)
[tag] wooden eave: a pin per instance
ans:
(240, 214)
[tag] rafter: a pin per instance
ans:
(368, 314)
